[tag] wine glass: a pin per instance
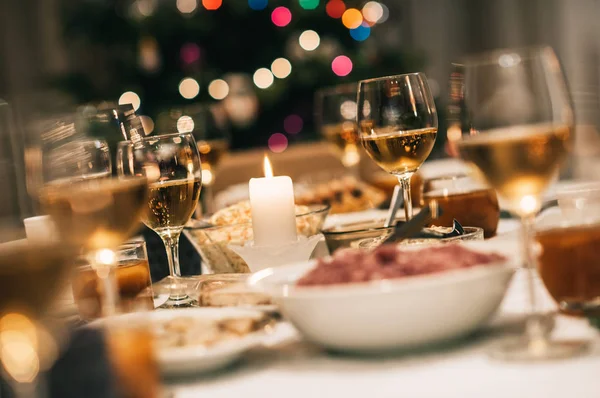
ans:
(335, 117)
(398, 125)
(516, 128)
(172, 164)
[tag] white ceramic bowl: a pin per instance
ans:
(392, 314)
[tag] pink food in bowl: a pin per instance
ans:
(391, 262)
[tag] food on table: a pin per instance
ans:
(189, 332)
(391, 262)
(229, 293)
(344, 195)
(569, 264)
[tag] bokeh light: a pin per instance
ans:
(185, 124)
(293, 124)
(190, 53)
(309, 40)
(129, 97)
(218, 89)
(147, 124)
(281, 16)
(348, 109)
(352, 18)
(361, 33)
(341, 65)
(335, 8)
(385, 15)
(372, 11)
(258, 4)
(212, 4)
(189, 88)
(187, 6)
(263, 78)
(309, 4)
(281, 68)
(278, 143)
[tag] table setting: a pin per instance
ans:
(322, 286)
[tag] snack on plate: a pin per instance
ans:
(391, 262)
(229, 293)
(344, 195)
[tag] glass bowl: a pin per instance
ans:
(213, 242)
(471, 233)
(344, 235)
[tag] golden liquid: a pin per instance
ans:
(341, 135)
(212, 151)
(171, 204)
(96, 214)
(519, 161)
(400, 152)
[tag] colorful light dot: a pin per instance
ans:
(190, 53)
(281, 16)
(335, 8)
(212, 4)
(352, 18)
(372, 11)
(278, 143)
(348, 109)
(385, 15)
(185, 124)
(218, 89)
(361, 33)
(189, 88)
(263, 78)
(341, 65)
(293, 124)
(258, 4)
(129, 97)
(309, 4)
(281, 68)
(309, 40)
(186, 6)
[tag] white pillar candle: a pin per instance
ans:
(273, 211)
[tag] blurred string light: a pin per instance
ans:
(341, 65)
(309, 40)
(187, 6)
(147, 124)
(293, 124)
(281, 68)
(352, 18)
(372, 12)
(263, 78)
(149, 58)
(309, 4)
(212, 4)
(189, 88)
(190, 53)
(335, 8)
(348, 109)
(185, 124)
(129, 97)
(143, 8)
(385, 15)
(361, 33)
(218, 89)
(281, 16)
(258, 4)
(278, 143)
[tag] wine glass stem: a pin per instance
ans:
(534, 327)
(405, 184)
(171, 242)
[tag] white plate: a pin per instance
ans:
(390, 314)
(200, 359)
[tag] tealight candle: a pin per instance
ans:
(272, 207)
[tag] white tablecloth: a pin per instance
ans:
(461, 370)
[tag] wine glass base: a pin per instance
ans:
(184, 302)
(527, 350)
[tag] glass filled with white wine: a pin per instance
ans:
(397, 121)
(172, 165)
(516, 128)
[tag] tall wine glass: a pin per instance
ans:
(335, 117)
(398, 125)
(172, 164)
(517, 129)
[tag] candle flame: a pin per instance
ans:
(267, 168)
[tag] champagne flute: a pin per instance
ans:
(517, 129)
(335, 116)
(398, 125)
(172, 164)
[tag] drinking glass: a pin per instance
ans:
(171, 163)
(516, 128)
(335, 117)
(398, 125)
